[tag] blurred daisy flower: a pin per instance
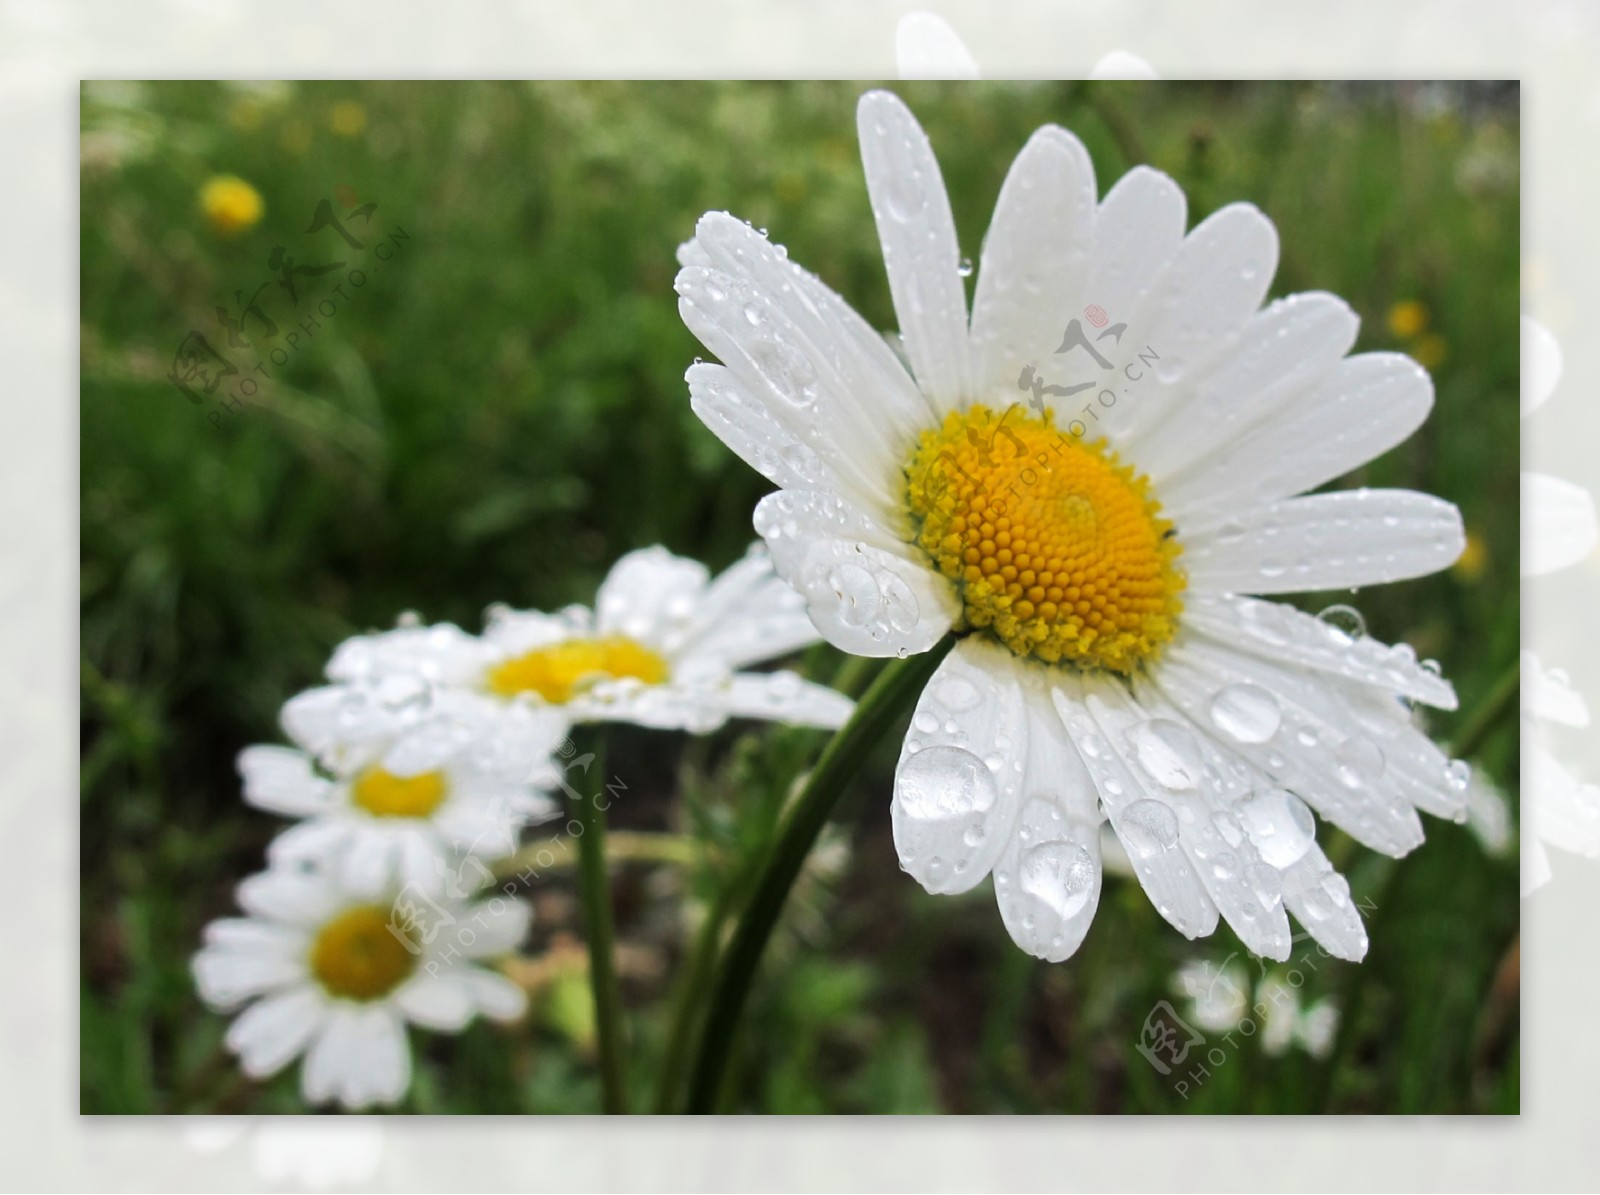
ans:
(231, 205)
(1563, 812)
(665, 647)
(335, 976)
(963, 478)
(1220, 1001)
(400, 784)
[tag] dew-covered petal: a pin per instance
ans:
(442, 653)
(864, 592)
(1047, 880)
(290, 897)
(785, 697)
(920, 251)
(243, 959)
(282, 780)
(1319, 898)
(1286, 349)
(1139, 764)
(1366, 405)
(1564, 812)
(1279, 632)
(1034, 261)
(960, 778)
(1339, 540)
(439, 1002)
(648, 594)
(1558, 523)
(1138, 230)
(748, 614)
(360, 1058)
(1548, 695)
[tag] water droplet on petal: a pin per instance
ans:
(1168, 752)
(1279, 824)
(1246, 712)
(944, 782)
(1360, 762)
(1061, 874)
(1148, 828)
(1344, 623)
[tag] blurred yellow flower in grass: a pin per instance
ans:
(347, 118)
(1408, 318)
(231, 205)
(1430, 351)
(1473, 560)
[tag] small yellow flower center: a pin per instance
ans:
(384, 794)
(361, 954)
(1057, 549)
(560, 672)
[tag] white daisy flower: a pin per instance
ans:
(414, 787)
(336, 975)
(664, 647)
(1083, 478)
(1220, 1000)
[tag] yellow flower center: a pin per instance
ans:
(559, 672)
(361, 954)
(1059, 550)
(384, 794)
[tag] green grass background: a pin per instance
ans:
(500, 412)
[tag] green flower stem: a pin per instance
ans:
(896, 687)
(624, 846)
(594, 891)
(686, 1011)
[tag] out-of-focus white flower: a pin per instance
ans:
(1088, 503)
(402, 785)
(1557, 809)
(1559, 527)
(335, 975)
(665, 647)
(1220, 1000)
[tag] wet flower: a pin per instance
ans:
(336, 976)
(1055, 479)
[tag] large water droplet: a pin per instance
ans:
(956, 694)
(859, 598)
(1061, 874)
(1360, 762)
(1279, 824)
(786, 370)
(1247, 712)
(1344, 623)
(1168, 752)
(944, 782)
(1148, 828)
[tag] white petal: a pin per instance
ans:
(920, 251)
(226, 976)
(360, 1058)
(369, 863)
(495, 996)
(1238, 881)
(1279, 632)
(785, 697)
(796, 362)
(1559, 527)
(748, 614)
(281, 780)
(864, 594)
(499, 926)
(959, 782)
(1541, 364)
(316, 842)
(1047, 881)
(1319, 898)
(1194, 317)
(442, 653)
(1137, 232)
(1364, 407)
(1298, 734)
(508, 632)
(748, 426)
(439, 1002)
(1286, 349)
(1139, 799)
(270, 1033)
(1549, 695)
(649, 594)
(1339, 540)
(339, 724)
(925, 47)
(1565, 813)
(303, 898)
(1035, 260)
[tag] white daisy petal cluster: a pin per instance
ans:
(666, 646)
(336, 975)
(1084, 475)
(422, 762)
